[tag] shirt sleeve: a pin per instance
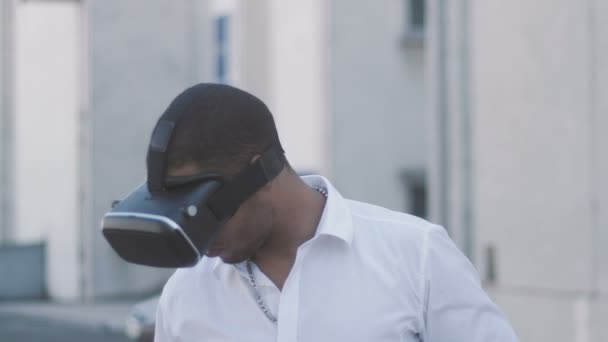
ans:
(456, 308)
(161, 329)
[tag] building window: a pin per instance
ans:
(222, 47)
(416, 15)
(414, 183)
(415, 21)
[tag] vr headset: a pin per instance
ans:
(172, 221)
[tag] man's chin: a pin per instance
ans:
(233, 259)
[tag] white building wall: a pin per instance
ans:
(256, 30)
(299, 58)
(533, 161)
(142, 54)
(599, 127)
(534, 157)
(278, 53)
(298, 80)
(46, 95)
(6, 87)
(532, 129)
(376, 101)
(449, 121)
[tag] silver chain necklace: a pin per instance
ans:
(258, 297)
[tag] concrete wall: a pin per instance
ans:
(4, 14)
(534, 166)
(6, 77)
(280, 56)
(521, 155)
(449, 121)
(348, 98)
(255, 51)
(599, 127)
(376, 101)
(138, 64)
(532, 129)
(45, 128)
(298, 80)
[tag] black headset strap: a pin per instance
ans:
(159, 143)
(252, 178)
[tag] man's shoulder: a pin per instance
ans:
(392, 230)
(367, 214)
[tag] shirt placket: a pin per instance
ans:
(290, 300)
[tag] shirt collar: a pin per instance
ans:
(335, 220)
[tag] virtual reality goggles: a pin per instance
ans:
(172, 221)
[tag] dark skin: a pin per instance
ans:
(269, 227)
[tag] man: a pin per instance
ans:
(298, 262)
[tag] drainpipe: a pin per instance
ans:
(6, 117)
(467, 131)
(442, 106)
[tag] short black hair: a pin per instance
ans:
(220, 130)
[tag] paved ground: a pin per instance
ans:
(31, 329)
(43, 321)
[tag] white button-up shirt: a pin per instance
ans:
(369, 274)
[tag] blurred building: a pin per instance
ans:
(83, 83)
(496, 106)
(345, 80)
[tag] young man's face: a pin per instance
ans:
(240, 237)
(245, 232)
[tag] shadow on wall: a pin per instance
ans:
(414, 184)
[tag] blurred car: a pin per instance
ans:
(140, 322)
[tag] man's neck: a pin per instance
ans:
(298, 212)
